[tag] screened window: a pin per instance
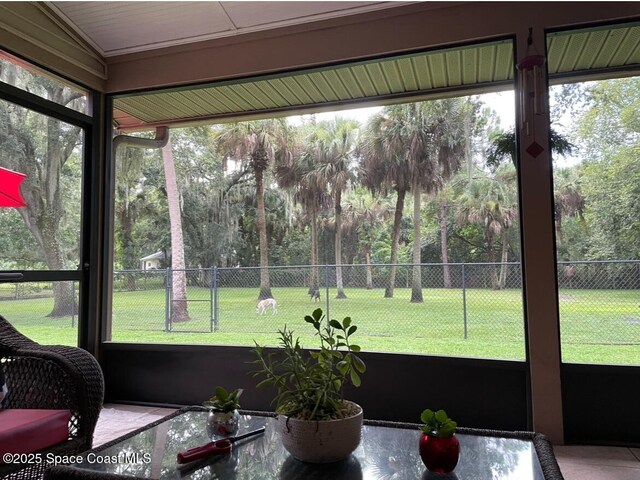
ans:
(597, 220)
(40, 233)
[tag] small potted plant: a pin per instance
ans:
(317, 424)
(223, 417)
(439, 447)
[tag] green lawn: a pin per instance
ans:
(599, 326)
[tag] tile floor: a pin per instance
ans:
(598, 463)
(115, 420)
(576, 462)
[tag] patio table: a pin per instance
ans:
(388, 450)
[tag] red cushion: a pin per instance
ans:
(26, 431)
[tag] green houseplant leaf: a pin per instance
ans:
(223, 400)
(310, 384)
(437, 423)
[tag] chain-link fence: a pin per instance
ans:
(460, 308)
(599, 301)
(599, 275)
(139, 300)
(46, 312)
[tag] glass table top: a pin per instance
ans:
(384, 453)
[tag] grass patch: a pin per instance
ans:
(597, 326)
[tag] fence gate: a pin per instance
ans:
(189, 300)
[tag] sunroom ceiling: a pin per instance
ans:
(118, 27)
(430, 74)
(592, 50)
(378, 81)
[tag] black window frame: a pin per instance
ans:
(86, 274)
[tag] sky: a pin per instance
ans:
(501, 102)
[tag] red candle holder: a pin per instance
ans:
(439, 454)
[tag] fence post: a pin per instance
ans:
(326, 285)
(211, 315)
(167, 301)
(214, 302)
(73, 304)
(464, 302)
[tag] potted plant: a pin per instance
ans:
(317, 424)
(439, 447)
(223, 417)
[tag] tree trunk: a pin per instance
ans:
(491, 258)
(416, 280)
(338, 245)
(505, 256)
(179, 311)
(126, 237)
(397, 219)
(41, 191)
(64, 303)
(314, 284)
(558, 225)
(57, 153)
(444, 245)
(367, 259)
(265, 286)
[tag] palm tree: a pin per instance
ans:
(257, 144)
(443, 204)
(569, 200)
(503, 145)
(367, 214)
(296, 173)
(179, 311)
(490, 203)
(385, 168)
(509, 216)
(456, 122)
(334, 143)
(412, 147)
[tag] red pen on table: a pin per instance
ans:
(219, 447)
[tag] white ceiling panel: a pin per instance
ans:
(116, 28)
(120, 27)
(251, 14)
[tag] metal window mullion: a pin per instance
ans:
(43, 106)
(88, 323)
(29, 276)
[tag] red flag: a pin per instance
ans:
(10, 188)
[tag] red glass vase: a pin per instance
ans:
(439, 454)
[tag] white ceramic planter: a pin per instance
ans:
(322, 441)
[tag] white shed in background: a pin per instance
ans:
(151, 262)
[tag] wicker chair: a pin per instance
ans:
(50, 377)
